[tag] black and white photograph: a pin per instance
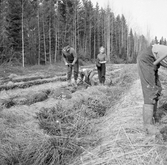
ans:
(83, 82)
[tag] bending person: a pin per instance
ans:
(87, 75)
(148, 62)
(71, 60)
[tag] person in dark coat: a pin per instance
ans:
(71, 61)
(148, 62)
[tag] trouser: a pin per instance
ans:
(150, 83)
(74, 67)
(101, 73)
(151, 87)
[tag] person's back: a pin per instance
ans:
(146, 56)
(69, 53)
(87, 76)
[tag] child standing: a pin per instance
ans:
(101, 64)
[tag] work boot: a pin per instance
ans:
(148, 119)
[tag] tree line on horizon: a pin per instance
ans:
(35, 31)
(161, 41)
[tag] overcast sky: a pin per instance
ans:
(143, 15)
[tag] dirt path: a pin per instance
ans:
(123, 139)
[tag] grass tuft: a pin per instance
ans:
(57, 135)
(69, 130)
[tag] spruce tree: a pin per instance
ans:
(13, 27)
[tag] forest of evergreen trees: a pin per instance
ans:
(34, 31)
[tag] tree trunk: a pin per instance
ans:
(75, 26)
(50, 46)
(23, 61)
(56, 44)
(90, 38)
(94, 53)
(44, 41)
(39, 40)
(108, 35)
(56, 39)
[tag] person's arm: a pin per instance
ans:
(64, 58)
(65, 61)
(160, 59)
(97, 60)
(159, 52)
(75, 56)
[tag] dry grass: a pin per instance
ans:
(12, 85)
(72, 123)
(60, 140)
(69, 129)
(126, 76)
(28, 99)
(75, 127)
(19, 144)
(124, 141)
